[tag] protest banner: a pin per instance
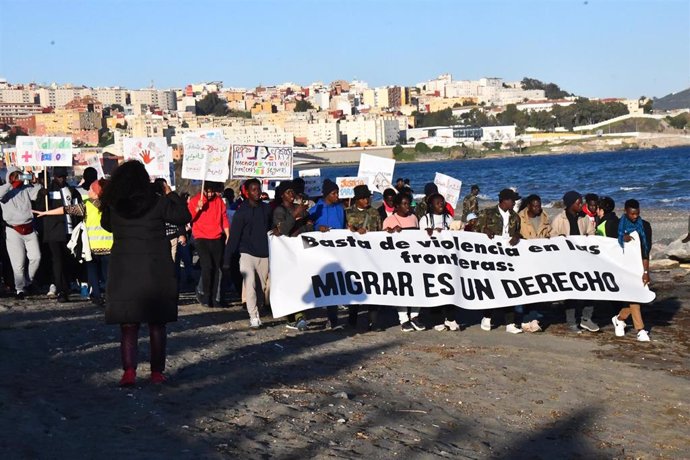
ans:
(204, 133)
(449, 187)
(44, 151)
(312, 181)
(346, 185)
(412, 269)
(205, 159)
(261, 161)
(378, 170)
(152, 151)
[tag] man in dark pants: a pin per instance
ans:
(57, 230)
(211, 231)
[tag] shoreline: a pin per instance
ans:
(506, 154)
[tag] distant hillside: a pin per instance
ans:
(679, 100)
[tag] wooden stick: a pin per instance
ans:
(45, 183)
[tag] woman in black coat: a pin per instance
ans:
(141, 286)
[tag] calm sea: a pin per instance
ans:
(658, 178)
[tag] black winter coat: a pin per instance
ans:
(55, 227)
(141, 286)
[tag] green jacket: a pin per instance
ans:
(469, 204)
(491, 221)
(368, 218)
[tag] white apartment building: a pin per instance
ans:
(323, 133)
(110, 96)
(17, 96)
(381, 98)
(341, 102)
(267, 135)
(321, 100)
(378, 130)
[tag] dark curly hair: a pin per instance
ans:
(130, 192)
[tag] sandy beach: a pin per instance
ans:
(278, 394)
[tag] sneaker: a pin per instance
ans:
(20, 295)
(486, 324)
(619, 326)
(452, 325)
(642, 336)
(302, 325)
(573, 328)
(376, 328)
(590, 325)
(254, 323)
(513, 329)
(128, 378)
(62, 298)
(52, 291)
(291, 326)
(337, 327)
(406, 327)
(440, 327)
(417, 324)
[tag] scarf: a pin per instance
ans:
(627, 226)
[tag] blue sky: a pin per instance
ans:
(595, 48)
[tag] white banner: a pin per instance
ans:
(93, 160)
(152, 151)
(261, 161)
(44, 151)
(205, 159)
(449, 187)
(378, 170)
(411, 269)
(346, 185)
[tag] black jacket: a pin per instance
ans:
(141, 286)
(55, 227)
(249, 231)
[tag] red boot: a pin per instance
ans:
(158, 377)
(128, 378)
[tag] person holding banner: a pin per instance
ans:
(57, 229)
(573, 222)
(249, 237)
(404, 219)
(290, 219)
(21, 239)
(504, 222)
(362, 218)
(329, 213)
(142, 286)
(631, 222)
(387, 208)
(211, 232)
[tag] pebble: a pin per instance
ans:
(341, 395)
(341, 420)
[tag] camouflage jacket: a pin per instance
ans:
(469, 204)
(368, 218)
(421, 208)
(491, 221)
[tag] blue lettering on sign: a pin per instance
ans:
(45, 157)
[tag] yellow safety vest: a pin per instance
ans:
(100, 240)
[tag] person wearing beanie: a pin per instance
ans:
(20, 237)
(329, 214)
(571, 221)
(362, 218)
(503, 222)
(100, 241)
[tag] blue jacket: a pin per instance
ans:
(329, 215)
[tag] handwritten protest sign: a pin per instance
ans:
(261, 161)
(44, 151)
(152, 151)
(346, 185)
(449, 187)
(312, 181)
(93, 160)
(205, 159)
(378, 170)
(467, 269)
